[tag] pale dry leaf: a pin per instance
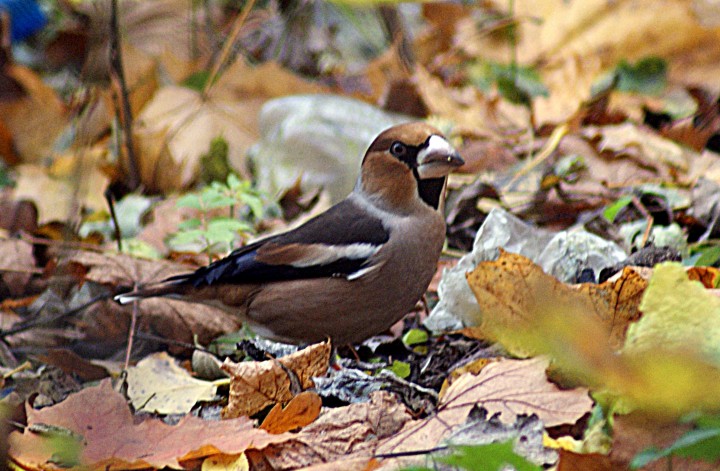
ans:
(112, 439)
(258, 384)
(157, 384)
(58, 197)
(572, 43)
(17, 265)
(180, 124)
(506, 387)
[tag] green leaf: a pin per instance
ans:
(490, 457)
(611, 212)
(188, 237)
(515, 83)
(255, 203)
(228, 224)
(414, 337)
(190, 200)
(197, 80)
(708, 256)
(189, 224)
(401, 369)
(212, 198)
(234, 183)
(647, 76)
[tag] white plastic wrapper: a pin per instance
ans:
(560, 254)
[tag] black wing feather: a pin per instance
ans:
(343, 224)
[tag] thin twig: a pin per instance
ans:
(227, 47)
(38, 321)
(401, 454)
(110, 198)
(131, 333)
(117, 75)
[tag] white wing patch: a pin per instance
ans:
(321, 254)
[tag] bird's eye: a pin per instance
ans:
(398, 149)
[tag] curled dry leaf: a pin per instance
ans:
(258, 384)
(302, 410)
(507, 387)
(112, 440)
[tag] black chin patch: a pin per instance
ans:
(430, 189)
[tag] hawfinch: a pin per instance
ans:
(349, 273)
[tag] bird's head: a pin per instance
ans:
(408, 161)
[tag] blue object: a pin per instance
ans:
(26, 18)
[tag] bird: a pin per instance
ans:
(349, 273)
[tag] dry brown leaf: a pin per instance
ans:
(635, 432)
(36, 119)
(570, 461)
(72, 363)
(258, 384)
(513, 292)
(507, 387)
(241, 81)
(170, 318)
(466, 107)
(176, 128)
(74, 181)
(17, 265)
(112, 439)
(165, 31)
(302, 410)
(572, 43)
(342, 438)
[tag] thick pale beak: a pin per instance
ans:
(438, 159)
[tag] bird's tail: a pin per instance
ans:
(167, 288)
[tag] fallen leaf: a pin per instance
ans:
(506, 387)
(635, 432)
(302, 410)
(170, 318)
(176, 128)
(17, 265)
(678, 314)
(342, 438)
(112, 440)
(258, 384)
(570, 461)
(512, 292)
(35, 119)
(159, 385)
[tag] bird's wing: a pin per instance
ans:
(338, 243)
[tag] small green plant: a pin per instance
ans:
(515, 83)
(490, 457)
(213, 232)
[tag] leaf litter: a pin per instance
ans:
(588, 119)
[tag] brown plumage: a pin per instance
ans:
(352, 271)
